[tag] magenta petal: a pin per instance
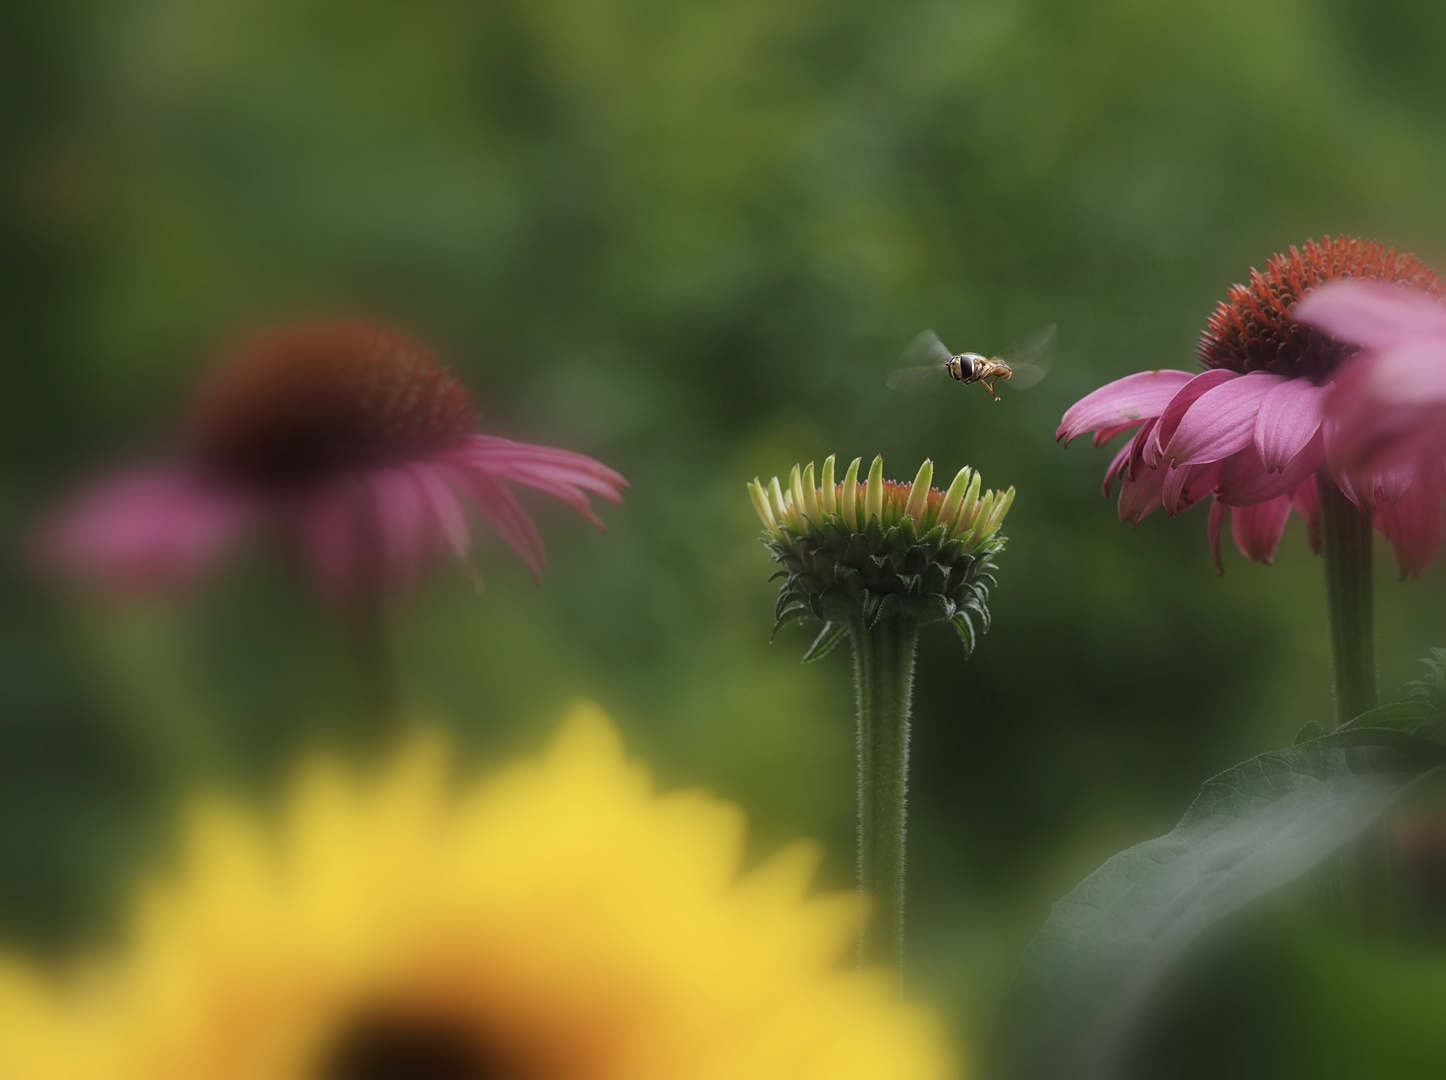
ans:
(1370, 313)
(1140, 495)
(1105, 434)
(576, 468)
(500, 507)
(1222, 421)
(404, 522)
(1289, 417)
(1179, 405)
(448, 513)
(1257, 529)
(1186, 485)
(1411, 372)
(1390, 484)
(1244, 480)
(1122, 403)
(1117, 466)
(1413, 525)
(157, 528)
(1136, 464)
(564, 475)
(329, 524)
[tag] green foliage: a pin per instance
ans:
(1252, 829)
(690, 240)
(1429, 691)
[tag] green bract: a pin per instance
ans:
(857, 552)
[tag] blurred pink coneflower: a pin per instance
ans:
(1251, 430)
(1387, 409)
(351, 436)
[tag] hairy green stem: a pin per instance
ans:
(1346, 543)
(884, 675)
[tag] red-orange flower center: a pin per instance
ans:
(297, 404)
(1252, 329)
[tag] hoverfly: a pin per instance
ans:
(929, 361)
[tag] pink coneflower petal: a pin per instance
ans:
(1122, 403)
(1136, 465)
(1413, 525)
(1186, 485)
(1289, 418)
(500, 507)
(1371, 314)
(1178, 406)
(1118, 465)
(447, 511)
(1221, 421)
(404, 522)
(1244, 479)
(150, 528)
(1411, 518)
(1140, 495)
(1257, 529)
(563, 465)
(329, 523)
(1392, 483)
(1105, 434)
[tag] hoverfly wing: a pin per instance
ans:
(925, 349)
(924, 370)
(1031, 358)
(917, 380)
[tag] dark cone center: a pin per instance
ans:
(392, 1048)
(1252, 328)
(298, 404)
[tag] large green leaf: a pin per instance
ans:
(1252, 829)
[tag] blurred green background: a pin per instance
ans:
(689, 239)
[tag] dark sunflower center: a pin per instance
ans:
(392, 1048)
(301, 403)
(1251, 330)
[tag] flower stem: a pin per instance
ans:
(884, 676)
(1346, 542)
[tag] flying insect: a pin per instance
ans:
(1022, 367)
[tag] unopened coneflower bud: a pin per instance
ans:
(862, 550)
(875, 560)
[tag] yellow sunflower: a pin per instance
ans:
(558, 920)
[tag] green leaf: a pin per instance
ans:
(1252, 829)
(831, 634)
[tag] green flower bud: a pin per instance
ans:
(854, 553)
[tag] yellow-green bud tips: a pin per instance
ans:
(827, 496)
(805, 506)
(866, 550)
(874, 490)
(759, 494)
(919, 496)
(848, 495)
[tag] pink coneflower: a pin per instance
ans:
(1388, 407)
(351, 436)
(1250, 429)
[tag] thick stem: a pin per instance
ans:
(884, 675)
(1346, 542)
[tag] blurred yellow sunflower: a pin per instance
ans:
(558, 920)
